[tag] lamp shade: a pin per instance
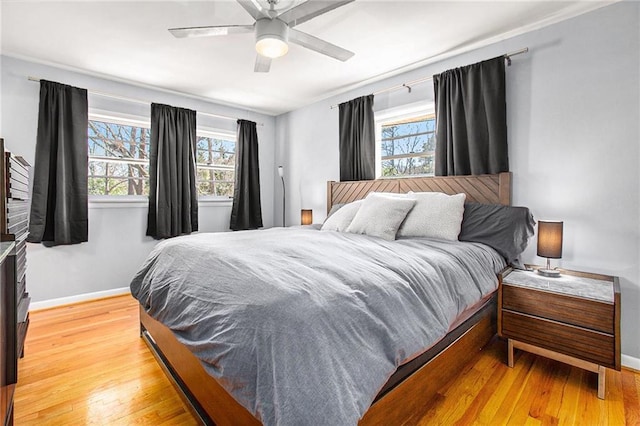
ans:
(306, 217)
(550, 239)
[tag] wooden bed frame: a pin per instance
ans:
(403, 403)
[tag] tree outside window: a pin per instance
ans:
(216, 166)
(408, 146)
(119, 161)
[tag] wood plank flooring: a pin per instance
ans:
(85, 364)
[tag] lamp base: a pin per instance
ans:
(550, 273)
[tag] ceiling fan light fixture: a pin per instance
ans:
(274, 30)
(271, 38)
(272, 47)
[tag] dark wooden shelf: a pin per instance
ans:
(14, 306)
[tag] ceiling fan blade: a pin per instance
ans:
(210, 31)
(320, 46)
(263, 64)
(253, 8)
(309, 10)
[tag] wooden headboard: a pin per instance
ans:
(487, 189)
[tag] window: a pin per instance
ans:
(406, 144)
(216, 158)
(119, 159)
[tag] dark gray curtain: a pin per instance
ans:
(59, 199)
(246, 212)
(471, 120)
(357, 139)
(173, 197)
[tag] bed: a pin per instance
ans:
(419, 375)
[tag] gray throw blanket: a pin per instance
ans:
(304, 326)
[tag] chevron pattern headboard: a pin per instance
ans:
(487, 189)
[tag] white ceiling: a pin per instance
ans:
(129, 40)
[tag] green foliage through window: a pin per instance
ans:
(216, 160)
(119, 161)
(408, 146)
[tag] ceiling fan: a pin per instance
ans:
(274, 29)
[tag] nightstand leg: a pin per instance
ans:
(601, 381)
(510, 353)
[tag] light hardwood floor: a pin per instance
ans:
(85, 364)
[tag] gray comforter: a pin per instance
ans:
(304, 326)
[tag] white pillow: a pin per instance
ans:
(435, 215)
(341, 219)
(381, 216)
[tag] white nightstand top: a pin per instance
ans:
(571, 285)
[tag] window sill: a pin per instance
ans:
(215, 200)
(117, 202)
(124, 202)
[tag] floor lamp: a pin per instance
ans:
(281, 174)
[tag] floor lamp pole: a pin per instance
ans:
(284, 197)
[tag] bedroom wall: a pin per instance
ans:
(117, 245)
(573, 108)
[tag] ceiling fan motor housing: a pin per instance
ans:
(272, 36)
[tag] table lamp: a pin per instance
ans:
(306, 216)
(549, 244)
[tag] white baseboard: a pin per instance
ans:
(52, 303)
(630, 362)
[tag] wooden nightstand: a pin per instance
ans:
(574, 319)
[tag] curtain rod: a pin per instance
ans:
(410, 84)
(140, 101)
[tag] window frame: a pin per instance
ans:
(126, 120)
(108, 201)
(221, 134)
(404, 112)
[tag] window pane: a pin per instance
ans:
(120, 142)
(403, 138)
(108, 178)
(215, 182)
(96, 186)
(119, 161)
(402, 128)
(117, 186)
(97, 168)
(229, 146)
(408, 166)
(224, 189)
(214, 151)
(408, 145)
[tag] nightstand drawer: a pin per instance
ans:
(581, 312)
(574, 341)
